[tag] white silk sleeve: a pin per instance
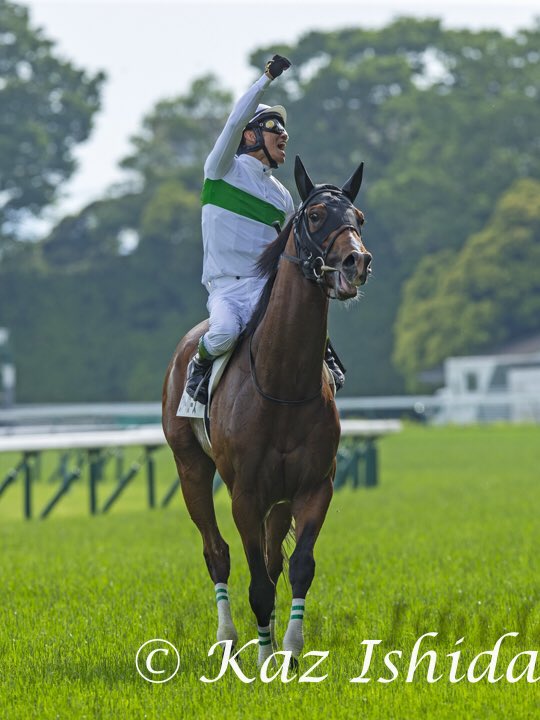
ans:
(220, 159)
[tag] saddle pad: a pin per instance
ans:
(189, 407)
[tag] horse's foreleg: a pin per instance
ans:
(277, 526)
(197, 488)
(250, 524)
(309, 512)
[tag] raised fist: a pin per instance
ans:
(276, 66)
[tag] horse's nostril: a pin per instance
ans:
(351, 260)
(368, 257)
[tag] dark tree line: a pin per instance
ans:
(447, 123)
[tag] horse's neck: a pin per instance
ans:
(289, 343)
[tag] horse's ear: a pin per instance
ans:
(352, 186)
(303, 181)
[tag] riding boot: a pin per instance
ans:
(198, 377)
(335, 367)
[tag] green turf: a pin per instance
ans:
(449, 543)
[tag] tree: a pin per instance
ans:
(165, 172)
(47, 108)
(487, 294)
(94, 236)
(178, 134)
(447, 121)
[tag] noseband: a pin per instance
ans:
(310, 253)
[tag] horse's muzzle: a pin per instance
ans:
(356, 267)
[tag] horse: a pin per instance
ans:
(274, 424)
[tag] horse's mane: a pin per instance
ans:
(267, 267)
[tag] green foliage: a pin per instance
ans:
(47, 108)
(446, 121)
(93, 237)
(177, 135)
(486, 294)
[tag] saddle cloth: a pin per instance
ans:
(198, 413)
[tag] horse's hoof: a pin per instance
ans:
(294, 664)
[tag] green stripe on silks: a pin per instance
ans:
(264, 634)
(297, 617)
(298, 607)
(264, 642)
(228, 197)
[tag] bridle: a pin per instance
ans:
(311, 256)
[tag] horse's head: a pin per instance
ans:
(327, 234)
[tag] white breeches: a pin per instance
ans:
(231, 303)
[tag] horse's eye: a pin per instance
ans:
(314, 217)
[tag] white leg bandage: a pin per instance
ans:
(226, 629)
(294, 637)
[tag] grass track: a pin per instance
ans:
(449, 543)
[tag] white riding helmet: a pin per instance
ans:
(269, 110)
(256, 124)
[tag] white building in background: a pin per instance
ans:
(7, 371)
(502, 386)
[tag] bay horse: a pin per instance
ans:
(274, 424)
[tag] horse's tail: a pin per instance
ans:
(287, 547)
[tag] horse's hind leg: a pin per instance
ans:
(196, 479)
(309, 512)
(277, 526)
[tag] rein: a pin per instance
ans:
(270, 397)
(313, 267)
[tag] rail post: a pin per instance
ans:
(150, 476)
(171, 492)
(94, 466)
(28, 460)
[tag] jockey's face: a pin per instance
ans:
(275, 144)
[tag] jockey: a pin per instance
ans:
(241, 201)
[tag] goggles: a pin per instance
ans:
(272, 125)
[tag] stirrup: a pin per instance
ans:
(335, 366)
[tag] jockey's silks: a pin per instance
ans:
(241, 198)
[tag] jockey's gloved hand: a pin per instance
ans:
(276, 66)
